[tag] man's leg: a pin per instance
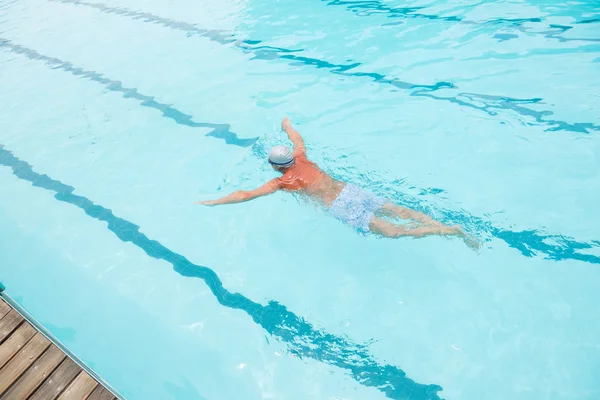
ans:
(387, 229)
(394, 210)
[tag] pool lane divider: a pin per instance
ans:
(219, 131)
(301, 337)
(489, 104)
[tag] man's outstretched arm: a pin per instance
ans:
(294, 136)
(244, 195)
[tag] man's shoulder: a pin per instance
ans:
(301, 158)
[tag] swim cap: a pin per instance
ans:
(281, 156)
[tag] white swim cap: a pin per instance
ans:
(281, 156)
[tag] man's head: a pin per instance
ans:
(281, 158)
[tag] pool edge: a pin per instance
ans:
(53, 340)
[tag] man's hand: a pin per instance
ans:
(299, 149)
(286, 124)
(210, 203)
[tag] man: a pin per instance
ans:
(354, 206)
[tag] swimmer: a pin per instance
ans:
(358, 208)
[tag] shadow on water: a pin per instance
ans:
(301, 337)
(260, 51)
(219, 131)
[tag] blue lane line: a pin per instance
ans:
(555, 247)
(216, 35)
(219, 131)
(491, 105)
(365, 8)
(263, 52)
(530, 243)
(301, 337)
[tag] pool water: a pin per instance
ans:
(117, 115)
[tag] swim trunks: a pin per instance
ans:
(355, 207)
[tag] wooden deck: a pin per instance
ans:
(33, 368)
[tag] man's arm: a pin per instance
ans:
(294, 136)
(244, 195)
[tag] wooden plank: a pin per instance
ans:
(4, 308)
(101, 393)
(9, 323)
(15, 342)
(57, 381)
(33, 368)
(22, 360)
(35, 375)
(80, 388)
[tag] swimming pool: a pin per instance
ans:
(118, 114)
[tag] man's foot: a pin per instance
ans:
(470, 241)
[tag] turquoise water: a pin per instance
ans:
(118, 114)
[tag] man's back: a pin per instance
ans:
(307, 178)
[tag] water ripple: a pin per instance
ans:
(290, 55)
(373, 7)
(492, 104)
